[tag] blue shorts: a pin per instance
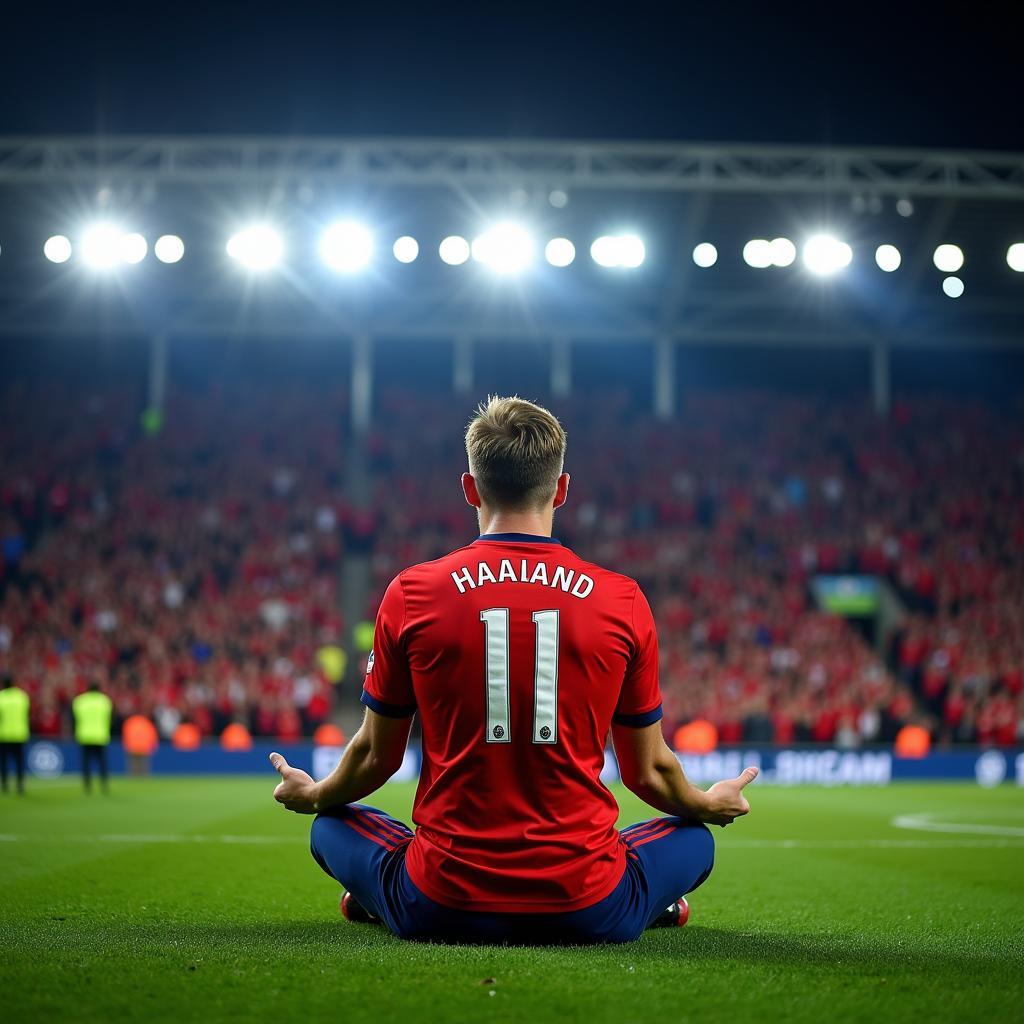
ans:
(364, 849)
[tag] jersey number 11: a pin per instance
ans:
(545, 676)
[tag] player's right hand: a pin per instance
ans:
(725, 800)
(296, 790)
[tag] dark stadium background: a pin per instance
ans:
(876, 74)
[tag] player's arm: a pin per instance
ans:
(372, 756)
(375, 753)
(651, 771)
(647, 765)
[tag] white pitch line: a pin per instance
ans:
(928, 823)
(728, 844)
(868, 844)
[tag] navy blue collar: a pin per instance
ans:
(517, 538)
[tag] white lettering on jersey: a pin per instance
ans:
(563, 577)
(560, 577)
(463, 579)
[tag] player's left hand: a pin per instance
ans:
(296, 790)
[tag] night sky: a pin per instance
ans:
(840, 74)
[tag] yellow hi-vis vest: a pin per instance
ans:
(13, 715)
(92, 712)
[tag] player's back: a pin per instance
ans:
(516, 654)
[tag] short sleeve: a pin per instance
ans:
(640, 699)
(388, 685)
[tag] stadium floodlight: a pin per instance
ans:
(346, 247)
(505, 248)
(258, 247)
(825, 255)
(948, 258)
(631, 251)
(168, 248)
(454, 250)
(1015, 257)
(705, 255)
(101, 246)
(625, 251)
(783, 252)
(560, 252)
(604, 251)
(757, 253)
(406, 249)
(953, 287)
(57, 248)
(888, 258)
(132, 248)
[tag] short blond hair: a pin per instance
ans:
(516, 450)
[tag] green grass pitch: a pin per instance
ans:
(196, 899)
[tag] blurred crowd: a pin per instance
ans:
(725, 516)
(193, 571)
(192, 574)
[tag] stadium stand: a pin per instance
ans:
(195, 572)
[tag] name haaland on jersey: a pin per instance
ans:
(578, 584)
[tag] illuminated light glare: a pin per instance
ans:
(825, 255)
(783, 252)
(705, 255)
(604, 251)
(888, 258)
(631, 251)
(626, 251)
(57, 249)
(505, 249)
(953, 287)
(948, 258)
(904, 207)
(168, 248)
(346, 247)
(1015, 257)
(257, 248)
(757, 253)
(406, 249)
(454, 250)
(133, 248)
(101, 246)
(560, 252)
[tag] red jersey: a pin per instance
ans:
(517, 655)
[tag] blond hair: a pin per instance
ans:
(516, 450)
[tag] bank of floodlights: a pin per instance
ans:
(625, 252)
(505, 248)
(258, 247)
(825, 255)
(346, 247)
(888, 258)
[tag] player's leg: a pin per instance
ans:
(362, 848)
(3, 766)
(674, 856)
(19, 764)
(101, 758)
(86, 752)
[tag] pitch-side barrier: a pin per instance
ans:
(779, 765)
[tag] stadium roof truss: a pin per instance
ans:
(444, 162)
(701, 176)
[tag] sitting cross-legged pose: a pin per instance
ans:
(519, 657)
